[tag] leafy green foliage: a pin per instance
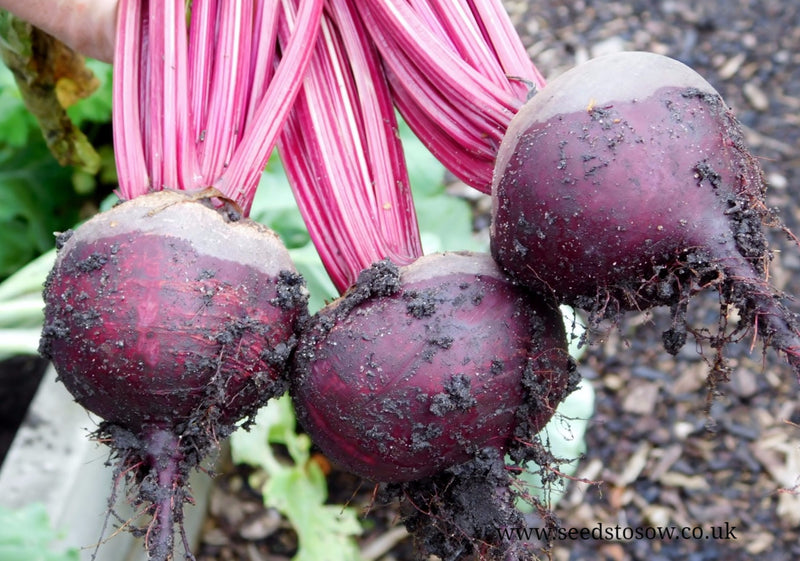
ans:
(36, 200)
(97, 107)
(37, 195)
(16, 122)
(26, 535)
(297, 489)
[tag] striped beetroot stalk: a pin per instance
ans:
(203, 107)
(343, 156)
(458, 73)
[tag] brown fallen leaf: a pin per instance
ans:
(50, 77)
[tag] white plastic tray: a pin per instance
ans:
(53, 461)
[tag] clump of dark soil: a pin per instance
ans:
(463, 510)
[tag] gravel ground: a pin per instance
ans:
(663, 449)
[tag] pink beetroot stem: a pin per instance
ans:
(203, 106)
(343, 155)
(458, 72)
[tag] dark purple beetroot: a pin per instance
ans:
(172, 321)
(625, 183)
(416, 369)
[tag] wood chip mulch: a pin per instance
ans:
(669, 451)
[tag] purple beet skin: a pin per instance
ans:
(171, 320)
(626, 183)
(418, 368)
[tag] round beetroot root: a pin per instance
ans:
(416, 369)
(172, 320)
(626, 183)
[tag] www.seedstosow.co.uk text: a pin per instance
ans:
(602, 532)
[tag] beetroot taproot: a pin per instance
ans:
(172, 320)
(626, 183)
(417, 368)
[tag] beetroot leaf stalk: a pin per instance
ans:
(343, 156)
(458, 72)
(203, 107)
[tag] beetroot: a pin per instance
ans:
(172, 320)
(416, 369)
(625, 183)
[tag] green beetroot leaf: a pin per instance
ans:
(626, 183)
(417, 369)
(172, 320)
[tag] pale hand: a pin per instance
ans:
(88, 26)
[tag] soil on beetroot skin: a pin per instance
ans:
(722, 221)
(226, 331)
(427, 404)
(575, 255)
(662, 454)
(88, 312)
